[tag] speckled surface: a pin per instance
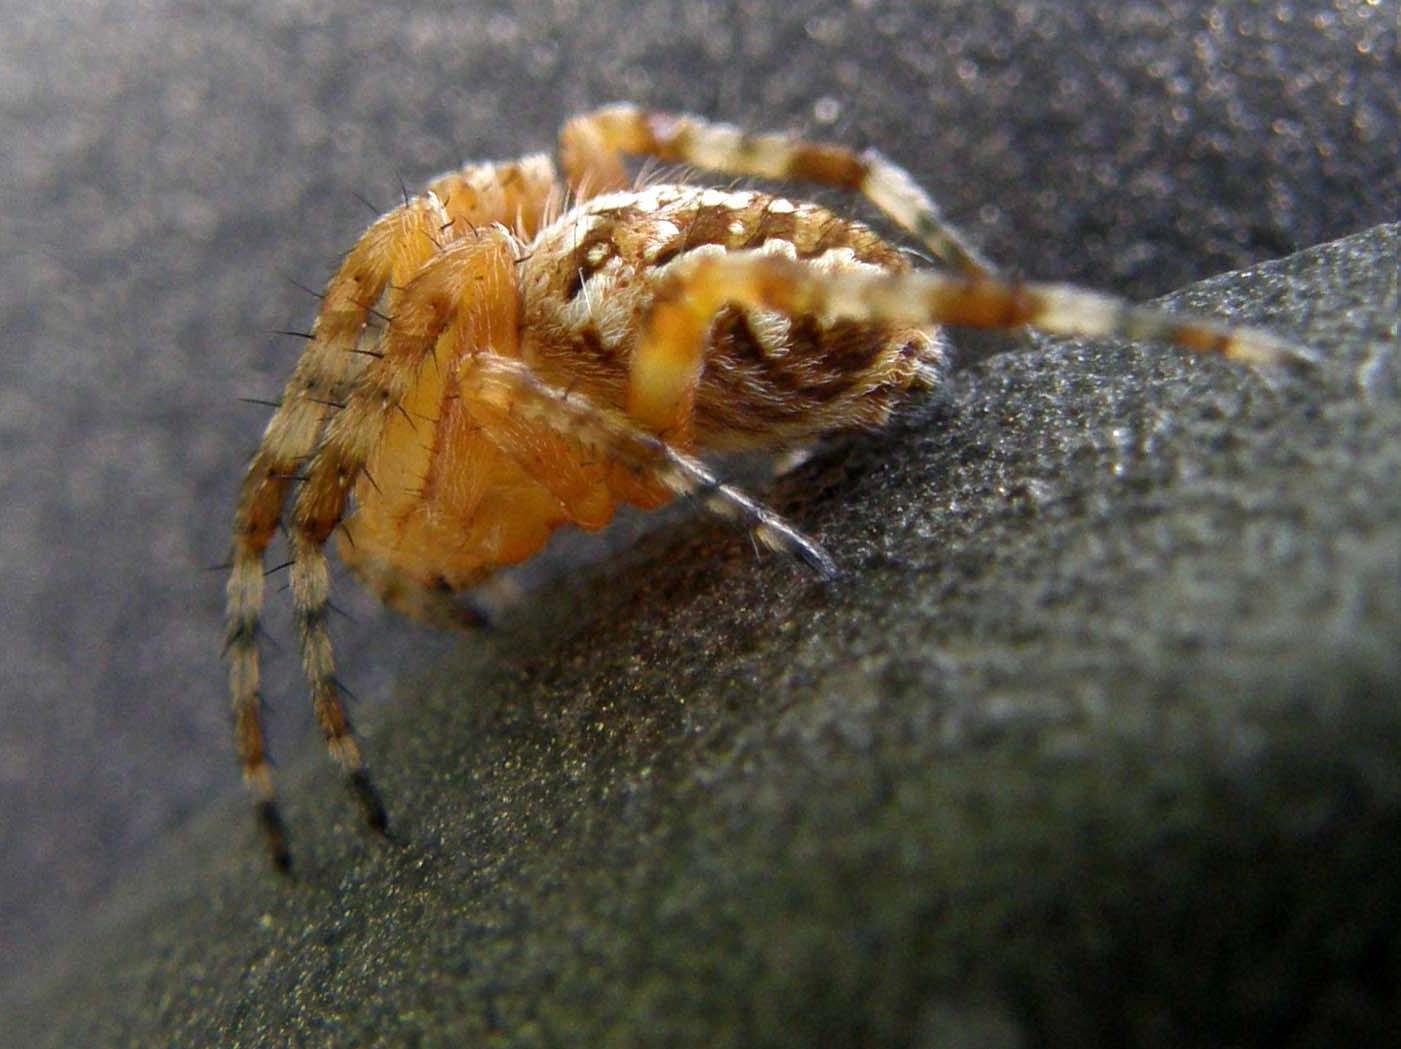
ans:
(1090, 746)
(1153, 550)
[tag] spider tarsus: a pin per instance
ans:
(275, 836)
(816, 559)
(368, 799)
(465, 615)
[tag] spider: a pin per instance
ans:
(522, 347)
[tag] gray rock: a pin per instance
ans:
(1092, 743)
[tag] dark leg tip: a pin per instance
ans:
(467, 616)
(818, 561)
(274, 836)
(367, 797)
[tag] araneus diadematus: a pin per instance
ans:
(510, 352)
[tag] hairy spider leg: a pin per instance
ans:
(521, 195)
(668, 362)
(667, 365)
(423, 311)
(437, 508)
(647, 469)
(387, 253)
(686, 303)
(325, 370)
(592, 146)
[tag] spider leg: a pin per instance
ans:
(585, 485)
(381, 261)
(522, 195)
(592, 148)
(654, 465)
(392, 246)
(437, 302)
(694, 291)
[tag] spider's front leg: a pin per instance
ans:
(437, 312)
(373, 275)
(644, 468)
(391, 249)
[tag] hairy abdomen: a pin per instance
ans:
(768, 379)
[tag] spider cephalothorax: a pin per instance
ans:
(489, 364)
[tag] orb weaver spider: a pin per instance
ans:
(519, 348)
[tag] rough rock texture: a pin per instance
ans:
(1086, 746)
(1093, 744)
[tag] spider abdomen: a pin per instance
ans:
(768, 378)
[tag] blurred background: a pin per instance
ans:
(172, 172)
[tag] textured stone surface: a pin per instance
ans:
(1116, 628)
(1091, 745)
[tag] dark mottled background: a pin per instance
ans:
(170, 172)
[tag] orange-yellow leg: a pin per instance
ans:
(521, 195)
(462, 298)
(671, 347)
(330, 363)
(385, 258)
(686, 304)
(644, 468)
